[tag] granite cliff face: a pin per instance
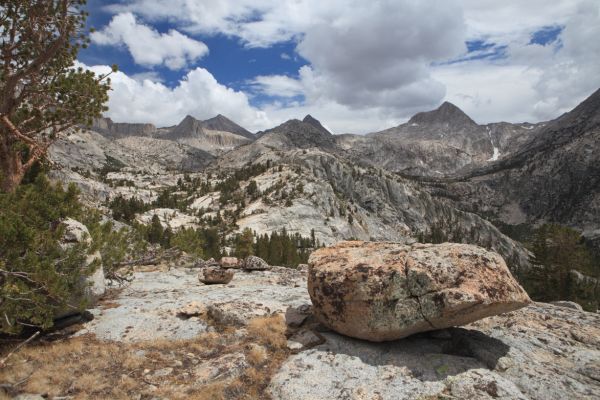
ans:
(110, 129)
(214, 135)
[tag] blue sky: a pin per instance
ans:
(229, 61)
(357, 67)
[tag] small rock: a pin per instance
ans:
(162, 372)
(253, 263)
(567, 304)
(193, 309)
(304, 339)
(294, 317)
(303, 268)
(230, 262)
(215, 275)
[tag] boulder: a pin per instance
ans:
(212, 275)
(387, 291)
(230, 262)
(253, 263)
(93, 285)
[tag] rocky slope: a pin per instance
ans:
(344, 186)
(212, 136)
(437, 143)
(553, 177)
(321, 189)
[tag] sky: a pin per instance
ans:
(358, 66)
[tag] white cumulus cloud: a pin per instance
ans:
(149, 47)
(373, 64)
(197, 94)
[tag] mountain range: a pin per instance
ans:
(438, 172)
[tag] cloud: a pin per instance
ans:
(277, 86)
(534, 82)
(197, 94)
(370, 66)
(149, 47)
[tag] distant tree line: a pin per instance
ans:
(564, 267)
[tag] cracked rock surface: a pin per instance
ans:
(540, 352)
(386, 291)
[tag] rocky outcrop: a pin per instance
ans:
(110, 129)
(540, 352)
(253, 263)
(215, 275)
(387, 291)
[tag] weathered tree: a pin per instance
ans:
(43, 95)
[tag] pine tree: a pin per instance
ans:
(244, 244)
(41, 95)
(155, 232)
(37, 276)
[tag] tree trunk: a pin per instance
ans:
(11, 167)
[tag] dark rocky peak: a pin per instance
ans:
(301, 134)
(187, 128)
(446, 114)
(222, 123)
(309, 119)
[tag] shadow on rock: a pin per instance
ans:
(429, 356)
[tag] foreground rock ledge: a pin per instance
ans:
(387, 291)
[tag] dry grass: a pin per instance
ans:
(86, 368)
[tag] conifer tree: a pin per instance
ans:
(42, 95)
(244, 244)
(155, 231)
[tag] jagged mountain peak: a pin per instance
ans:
(309, 119)
(299, 134)
(188, 127)
(222, 123)
(446, 113)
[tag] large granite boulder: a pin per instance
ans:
(215, 275)
(387, 291)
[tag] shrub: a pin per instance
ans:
(37, 276)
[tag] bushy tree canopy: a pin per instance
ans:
(37, 275)
(42, 94)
